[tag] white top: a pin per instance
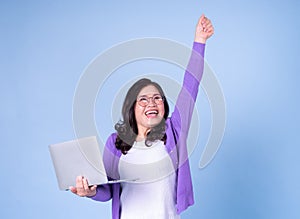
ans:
(153, 195)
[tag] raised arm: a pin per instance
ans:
(184, 107)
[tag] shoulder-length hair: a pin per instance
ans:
(127, 129)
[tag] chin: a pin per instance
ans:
(154, 122)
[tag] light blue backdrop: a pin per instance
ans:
(46, 45)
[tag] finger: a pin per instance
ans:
(85, 184)
(209, 33)
(79, 181)
(200, 20)
(93, 188)
(73, 189)
(208, 27)
(205, 22)
(79, 185)
(210, 30)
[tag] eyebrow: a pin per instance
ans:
(148, 95)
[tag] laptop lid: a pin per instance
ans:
(79, 157)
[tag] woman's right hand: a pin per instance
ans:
(204, 29)
(82, 187)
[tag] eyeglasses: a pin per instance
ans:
(144, 101)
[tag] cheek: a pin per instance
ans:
(138, 112)
(162, 110)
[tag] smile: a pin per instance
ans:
(151, 113)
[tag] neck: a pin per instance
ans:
(142, 133)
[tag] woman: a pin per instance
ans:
(151, 147)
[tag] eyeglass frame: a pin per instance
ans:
(158, 101)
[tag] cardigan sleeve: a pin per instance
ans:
(180, 123)
(181, 117)
(104, 192)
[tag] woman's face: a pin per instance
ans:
(149, 109)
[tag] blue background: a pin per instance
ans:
(46, 45)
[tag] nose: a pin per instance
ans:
(151, 102)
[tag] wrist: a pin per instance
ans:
(200, 40)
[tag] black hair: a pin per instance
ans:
(127, 129)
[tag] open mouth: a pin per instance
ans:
(151, 113)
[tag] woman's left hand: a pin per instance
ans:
(82, 187)
(204, 29)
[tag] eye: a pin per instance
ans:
(142, 99)
(157, 97)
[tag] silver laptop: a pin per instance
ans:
(79, 157)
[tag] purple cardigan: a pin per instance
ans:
(177, 127)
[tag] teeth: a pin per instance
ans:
(151, 112)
